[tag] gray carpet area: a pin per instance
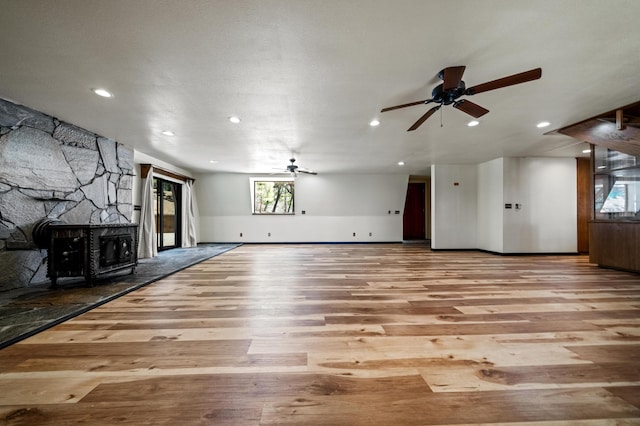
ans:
(29, 310)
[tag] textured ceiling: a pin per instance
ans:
(306, 77)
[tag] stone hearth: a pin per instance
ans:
(52, 169)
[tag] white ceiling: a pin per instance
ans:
(307, 76)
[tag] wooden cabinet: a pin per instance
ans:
(615, 244)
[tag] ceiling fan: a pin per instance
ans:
(293, 169)
(452, 87)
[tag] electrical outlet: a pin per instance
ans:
(241, 234)
(354, 234)
(268, 234)
(371, 234)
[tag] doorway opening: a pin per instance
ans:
(415, 218)
(167, 210)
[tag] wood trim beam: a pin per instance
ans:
(144, 172)
(619, 119)
(608, 130)
(604, 133)
(599, 116)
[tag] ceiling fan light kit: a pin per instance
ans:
(453, 87)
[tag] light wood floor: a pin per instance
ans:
(343, 335)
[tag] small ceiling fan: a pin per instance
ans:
(452, 87)
(293, 169)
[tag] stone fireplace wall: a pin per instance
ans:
(52, 169)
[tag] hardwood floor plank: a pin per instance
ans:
(25, 349)
(589, 316)
(130, 413)
(609, 353)
(343, 335)
(128, 363)
(460, 408)
(50, 390)
(487, 329)
(191, 324)
(601, 374)
(631, 394)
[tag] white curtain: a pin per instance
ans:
(147, 238)
(188, 217)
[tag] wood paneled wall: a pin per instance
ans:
(615, 244)
(585, 202)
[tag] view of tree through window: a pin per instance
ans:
(273, 197)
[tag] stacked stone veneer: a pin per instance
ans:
(52, 169)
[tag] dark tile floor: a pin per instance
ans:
(26, 311)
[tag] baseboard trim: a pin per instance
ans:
(305, 242)
(497, 253)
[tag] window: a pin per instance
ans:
(616, 185)
(272, 196)
(616, 201)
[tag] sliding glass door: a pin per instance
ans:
(167, 208)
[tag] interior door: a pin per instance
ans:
(413, 221)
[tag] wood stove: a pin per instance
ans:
(89, 250)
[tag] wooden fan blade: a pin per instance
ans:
(452, 77)
(405, 105)
(470, 108)
(423, 118)
(522, 77)
(309, 172)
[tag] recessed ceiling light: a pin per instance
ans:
(234, 119)
(374, 122)
(213, 161)
(102, 92)
(473, 123)
(168, 133)
(542, 124)
(400, 163)
(586, 151)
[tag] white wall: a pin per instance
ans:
(490, 205)
(544, 188)
(470, 215)
(454, 206)
(335, 207)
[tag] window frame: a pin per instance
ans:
(613, 170)
(252, 185)
(159, 215)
